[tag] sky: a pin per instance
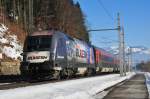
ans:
(102, 14)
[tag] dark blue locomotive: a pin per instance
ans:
(54, 54)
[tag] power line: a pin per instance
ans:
(107, 38)
(106, 11)
(105, 42)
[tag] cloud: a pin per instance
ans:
(147, 51)
(138, 49)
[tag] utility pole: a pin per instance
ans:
(130, 58)
(121, 48)
(131, 61)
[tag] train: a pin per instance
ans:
(54, 54)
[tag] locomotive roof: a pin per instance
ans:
(45, 32)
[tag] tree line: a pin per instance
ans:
(143, 66)
(62, 15)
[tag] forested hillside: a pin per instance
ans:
(31, 15)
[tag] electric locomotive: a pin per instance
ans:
(54, 54)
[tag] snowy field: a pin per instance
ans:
(74, 89)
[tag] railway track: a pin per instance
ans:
(16, 82)
(22, 84)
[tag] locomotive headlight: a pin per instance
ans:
(67, 42)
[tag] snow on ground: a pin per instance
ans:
(9, 44)
(147, 75)
(74, 89)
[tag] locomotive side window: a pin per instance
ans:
(107, 58)
(61, 48)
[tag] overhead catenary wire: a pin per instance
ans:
(109, 39)
(106, 11)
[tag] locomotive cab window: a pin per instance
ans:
(38, 43)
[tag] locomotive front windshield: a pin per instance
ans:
(38, 43)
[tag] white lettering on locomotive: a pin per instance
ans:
(81, 53)
(38, 57)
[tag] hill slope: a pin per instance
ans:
(10, 46)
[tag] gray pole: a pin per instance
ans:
(120, 46)
(130, 59)
(123, 49)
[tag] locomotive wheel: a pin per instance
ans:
(57, 75)
(90, 72)
(25, 75)
(66, 73)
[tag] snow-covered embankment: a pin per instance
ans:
(74, 89)
(9, 43)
